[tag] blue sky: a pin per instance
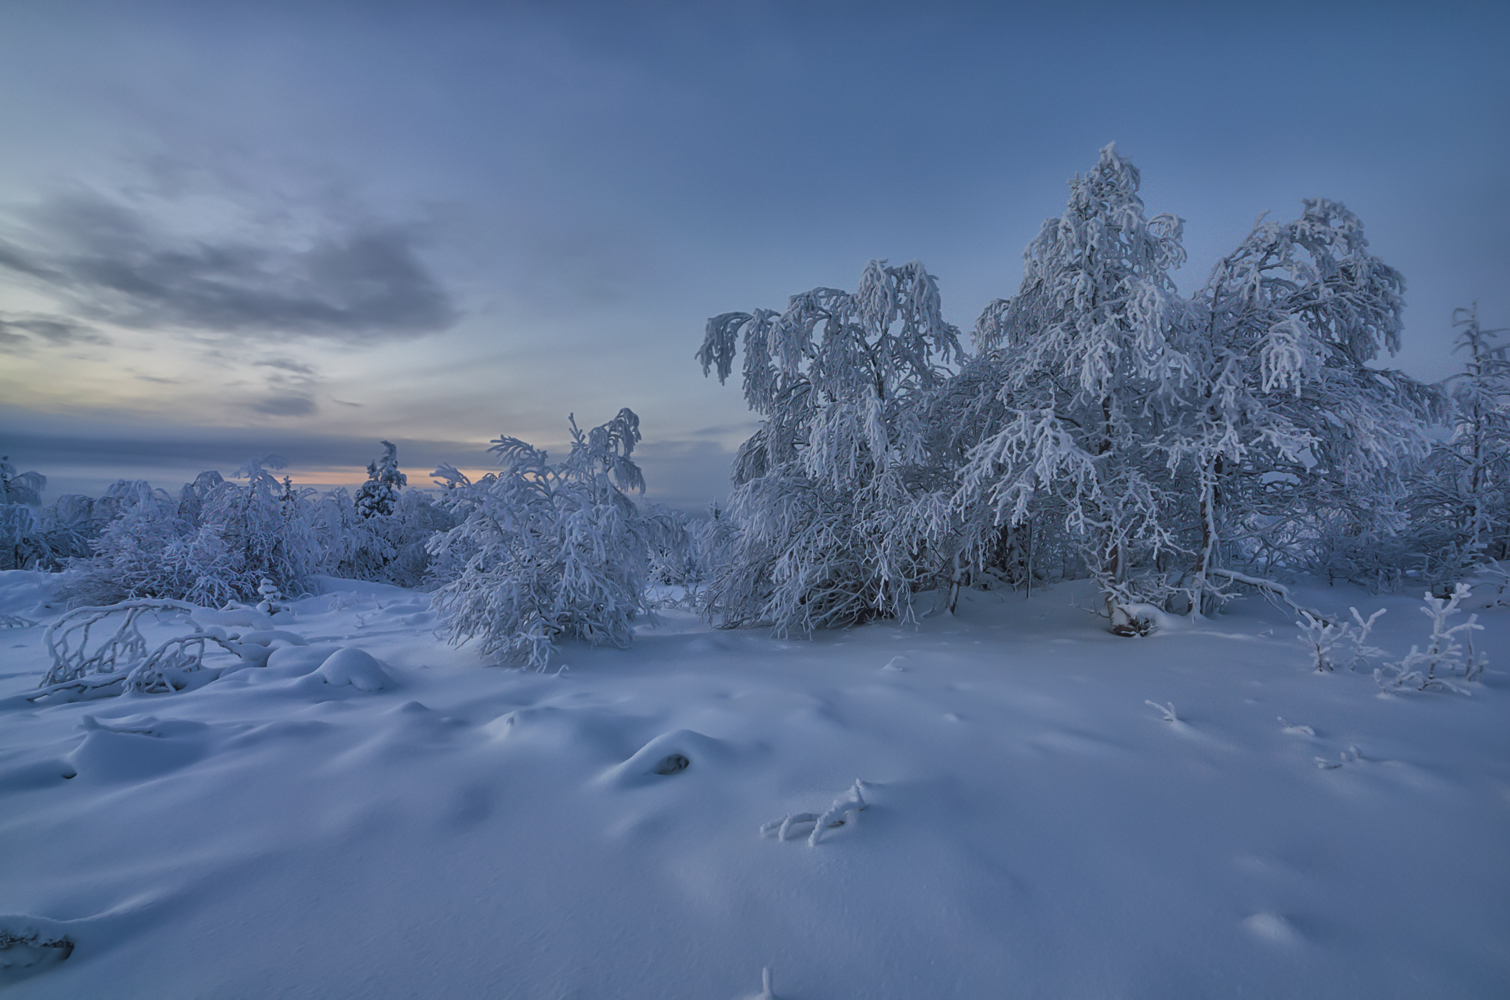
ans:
(231, 229)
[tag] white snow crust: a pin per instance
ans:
(1006, 802)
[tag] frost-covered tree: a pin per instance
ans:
(389, 548)
(382, 534)
(265, 525)
(545, 551)
(1297, 447)
(1092, 381)
(379, 493)
(1461, 498)
(814, 533)
(69, 525)
(23, 542)
(140, 524)
(214, 544)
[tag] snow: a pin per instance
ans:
(1030, 806)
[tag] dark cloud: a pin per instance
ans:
(112, 262)
(285, 405)
(286, 364)
(743, 429)
(25, 331)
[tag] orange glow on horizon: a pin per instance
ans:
(352, 476)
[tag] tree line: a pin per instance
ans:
(1177, 449)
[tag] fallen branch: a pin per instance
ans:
(1269, 588)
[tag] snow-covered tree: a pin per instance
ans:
(69, 525)
(1461, 498)
(383, 533)
(214, 544)
(1298, 448)
(814, 535)
(1092, 381)
(265, 525)
(22, 540)
(545, 551)
(379, 493)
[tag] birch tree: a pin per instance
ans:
(1093, 380)
(814, 535)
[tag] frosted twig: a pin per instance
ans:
(1322, 636)
(1294, 729)
(67, 639)
(1166, 710)
(1362, 651)
(834, 816)
(1348, 756)
(1443, 655)
(1268, 588)
(123, 656)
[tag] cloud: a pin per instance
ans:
(285, 405)
(286, 364)
(686, 473)
(25, 331)
(112, 262)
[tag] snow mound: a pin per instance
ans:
(666, 755)
(23, 598)
(38, 774)
(29, 945)
(137, 749)
(355, 667)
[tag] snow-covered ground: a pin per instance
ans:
(1033, 827)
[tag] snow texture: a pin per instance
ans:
(1030, 826)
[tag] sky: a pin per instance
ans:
(229, 230)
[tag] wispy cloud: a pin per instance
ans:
(25, 332)
(287, 365)
(112, 261)
(284, 405)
